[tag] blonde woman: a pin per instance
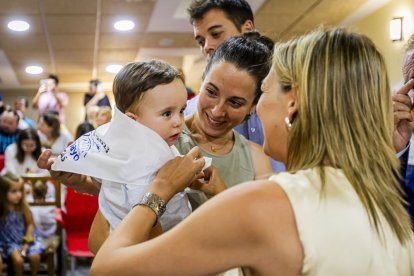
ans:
(327, 113)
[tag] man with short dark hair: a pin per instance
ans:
(9, 122)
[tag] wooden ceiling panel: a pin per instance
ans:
(69, 6)
(169, 40)
(283, 7)
(18, 7)
(70, 67)
(124, 55)
(120, 41)
(78, 55)
(27, 42)
(28, 57)
(121, 7)
(71, 24)
(63, 41)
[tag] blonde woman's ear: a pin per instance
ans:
(293, 104)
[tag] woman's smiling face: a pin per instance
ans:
(226, 98)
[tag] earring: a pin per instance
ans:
(288, 123)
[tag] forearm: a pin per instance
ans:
(87, 185)
(93, 101)
(35, 100)
(81, 183)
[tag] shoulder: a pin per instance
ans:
(12, 148)
(255, 147)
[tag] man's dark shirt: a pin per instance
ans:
(102, 102)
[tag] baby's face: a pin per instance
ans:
(162, 110)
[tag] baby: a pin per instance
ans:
(125, 154)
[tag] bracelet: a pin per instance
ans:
(28, 239)
(155, 203)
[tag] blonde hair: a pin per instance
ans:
(106, 111)
(345, 118)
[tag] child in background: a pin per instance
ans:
(43, 216)
(125, 154)
(18, 237)
(103, 116)
(21, 158)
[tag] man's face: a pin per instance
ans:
(9, 122)
(408, 65)
(212, 30)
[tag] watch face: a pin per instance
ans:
(155, 203)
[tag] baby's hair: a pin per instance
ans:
(138, 77)
(6, 181)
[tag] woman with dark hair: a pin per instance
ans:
(83, 128)
(20, 157)
(51, 135)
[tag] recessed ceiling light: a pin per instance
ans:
(34, 69)
(113, 68)
(18, 25)
(124, 25)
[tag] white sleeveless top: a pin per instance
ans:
(335, 230)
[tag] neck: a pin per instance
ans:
(213, 144)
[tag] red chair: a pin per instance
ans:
(77, 221)
(2, 159)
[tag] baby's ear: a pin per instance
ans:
(131, 115)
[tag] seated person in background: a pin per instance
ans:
(43, 216)
(52, 136)
(21, 104)
(83, 128)
(91, 113)
(125, 154)
(103, 116)
(19, 239)
(9, 129)
(21, 157)
(338, 210)
(48, 97)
